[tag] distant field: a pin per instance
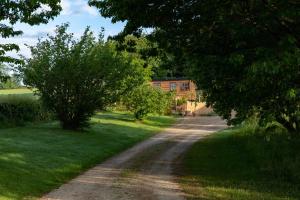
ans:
(16, 91)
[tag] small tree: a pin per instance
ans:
(146, 99)
(76, 77)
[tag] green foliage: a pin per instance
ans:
(181, 101)
(247, 162)
(146, 99)
(18, 109)
(161, 62)
(141, 47)
(30, 12)
(76, 77)
(243, 55)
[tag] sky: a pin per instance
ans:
(75, 12)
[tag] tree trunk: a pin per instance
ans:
(286, 124)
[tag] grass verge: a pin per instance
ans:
(38, 158)
(239, 164)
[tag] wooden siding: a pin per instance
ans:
(189, 94)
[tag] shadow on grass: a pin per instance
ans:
(36, 159)
(152, 120)
(160, 121)
(127, 117)
(230, 166)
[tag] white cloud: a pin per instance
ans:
(29, 37)
(92, 11)
(77, 7)
(43, 8)
(22, 42)
(66, 6)
(72, 10)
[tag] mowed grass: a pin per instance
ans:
(38, 158)
(235, 165)
(16, 91)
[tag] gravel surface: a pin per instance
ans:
(143, 172)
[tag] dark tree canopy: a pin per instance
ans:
(32, 12)
(244, 55)
(162, 63)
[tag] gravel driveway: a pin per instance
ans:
(143, 172)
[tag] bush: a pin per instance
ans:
(146, 99)
(18, 109)
(272, 147)
(181, 101)
(76, 77)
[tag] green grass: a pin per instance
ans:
(16, 91)
(239, 165)
(38, 158)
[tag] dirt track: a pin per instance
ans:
(142, 172)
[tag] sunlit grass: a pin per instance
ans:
(38, 158)
(16, 91)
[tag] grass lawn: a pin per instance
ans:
(239, 166)
(16, 91)
(38, 158)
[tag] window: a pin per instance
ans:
(156, 84)
(185, 86)
(173, 86)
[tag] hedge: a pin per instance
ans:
(16, 110)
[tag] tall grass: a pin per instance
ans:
(245, 162)
(275, 151)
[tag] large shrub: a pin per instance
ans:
(76, 77)
(18, 109)
(146, 99)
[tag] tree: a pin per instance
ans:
(8, 81)
(76, 77)
(146, 99)
(3, 74)
(243, 55)
(12, 82)
(29, 12)
(160, 61)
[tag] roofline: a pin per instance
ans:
(172, 79)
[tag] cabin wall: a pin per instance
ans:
(189, 94)
(192, 106)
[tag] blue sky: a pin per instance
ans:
(77, 13)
